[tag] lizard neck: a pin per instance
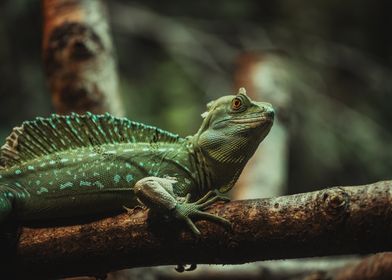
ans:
(219, 172)
(199, 164)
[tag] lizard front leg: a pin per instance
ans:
(157, 193)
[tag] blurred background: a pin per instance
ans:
(326, 66)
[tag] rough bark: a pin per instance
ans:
(79, 57)
(340, 220)
(378, 266)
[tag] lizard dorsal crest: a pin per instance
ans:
(45, 136)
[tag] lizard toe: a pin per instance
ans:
(185, 211)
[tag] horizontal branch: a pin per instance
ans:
(339, 220)
(378, 266)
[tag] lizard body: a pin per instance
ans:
(88, 165)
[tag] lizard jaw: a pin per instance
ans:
(254, 121)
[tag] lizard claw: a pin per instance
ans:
(132, 210)
(181, 267)
(184, 211)
(192, 267)
(211, 197)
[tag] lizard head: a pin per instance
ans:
(231, 131)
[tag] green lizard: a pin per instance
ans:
(90, 165)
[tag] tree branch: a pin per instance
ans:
(378, 266)
(340, 220)
(79, 57)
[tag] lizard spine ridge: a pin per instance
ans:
(45, 136)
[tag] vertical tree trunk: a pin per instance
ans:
(79, 57)
(266, 172)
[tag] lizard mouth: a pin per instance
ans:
(251, 120)
(254, 122)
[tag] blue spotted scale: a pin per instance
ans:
(92, 165)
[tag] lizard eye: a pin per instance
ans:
(236, 104)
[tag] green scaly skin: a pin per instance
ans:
(74, 166)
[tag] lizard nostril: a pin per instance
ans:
(270, 113)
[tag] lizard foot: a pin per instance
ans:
(131, 211)
(185, 210)
(181, 267)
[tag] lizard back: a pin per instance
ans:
(46, 136)
(81, 162)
